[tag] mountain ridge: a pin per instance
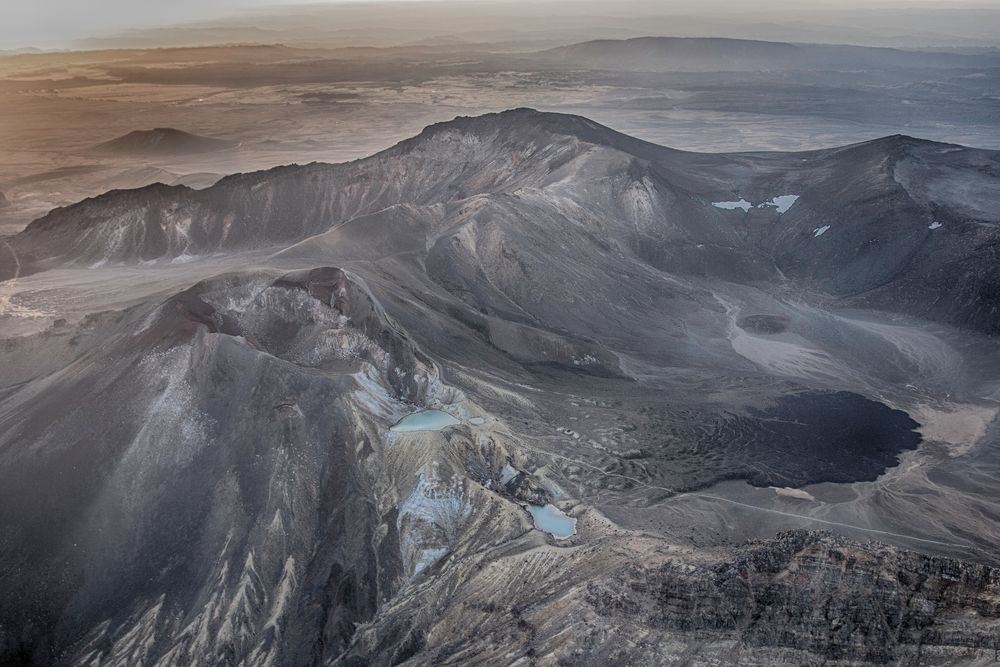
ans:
(877, 188)
(484, 123)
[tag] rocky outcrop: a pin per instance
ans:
(802, 598)
(814, 597)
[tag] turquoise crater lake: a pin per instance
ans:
(425, 420)
(553, 521)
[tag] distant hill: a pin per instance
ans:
(719, 54)
(161, 141)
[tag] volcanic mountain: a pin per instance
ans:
(161, 141)
(896, 231)
(518, 388)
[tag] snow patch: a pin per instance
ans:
(733, 205)
(819, 231)
(935, 225)
(782, 202)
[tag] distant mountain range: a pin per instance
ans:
(656, 54)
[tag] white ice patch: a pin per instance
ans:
(782, 202)
(935, 225)
(733, 205)
(819, 231)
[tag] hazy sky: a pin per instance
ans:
(55, 23)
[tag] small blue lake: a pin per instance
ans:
(425, 420)
(553, 521)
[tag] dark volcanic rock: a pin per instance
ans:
(763, 324)
(831, 599)
(802, 598)
(811, 437)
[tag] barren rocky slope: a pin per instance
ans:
(684, 354)
(906, 224)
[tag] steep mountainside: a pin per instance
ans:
(518, 390)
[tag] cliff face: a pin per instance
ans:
(814, 597)
(803, 598)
